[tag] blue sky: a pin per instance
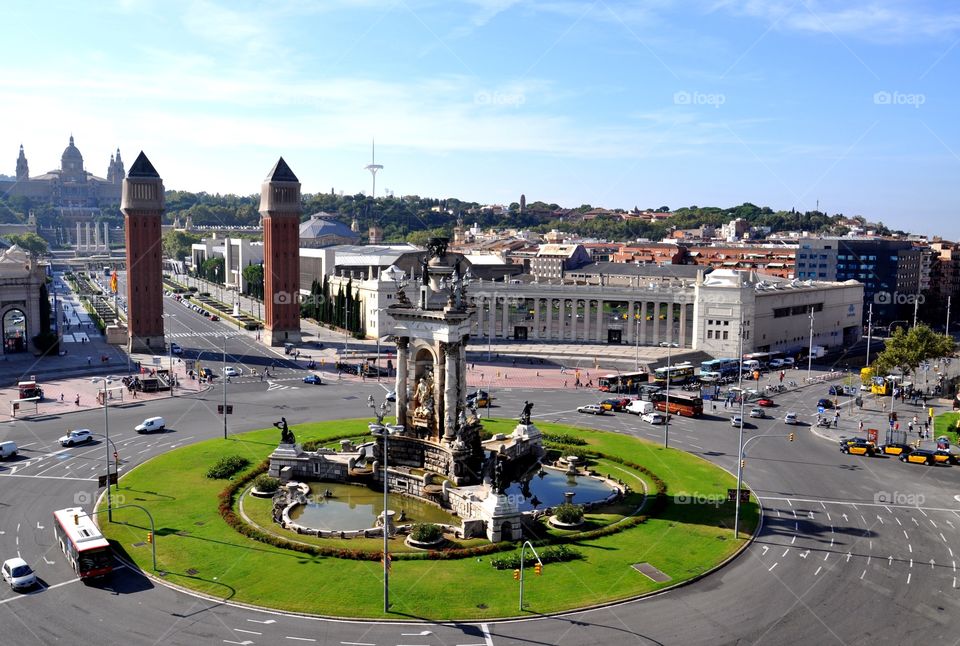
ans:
(621, 104)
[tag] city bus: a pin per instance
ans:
(679, 374)
(80, 539)
(684, 404)
(623, 382)
(762, 357)
(726, 367)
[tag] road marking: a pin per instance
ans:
(303, 639)
(26, 475)
(880, 519)
(358, 644)
(785, 552)
(889, 511)
(909, 574)
(911, 562)
(890, 560)
(910, 547)
(771, 567)
(849, 555)
(869, 558)
(898, 521)
(249, 632)
(933, 523)
(826, 556)
(793, 540)
(932, 564)
(765, 548)
(49, 587)
(243, 643)
(915, 521)
(942, 537)
(818, 571)
(268, 621)
(828, 516)
(486, 635)
(804, 555)
(863, 574)
(905, 535)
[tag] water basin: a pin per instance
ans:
(548, 487)
(352, 508)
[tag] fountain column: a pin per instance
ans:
(86, 226)
(106, 237)
(451, 352)
(79, 248)
(96, 237)
(401, 383)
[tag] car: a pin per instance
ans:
(175, 349)
(592, 409)
(639, 407)
(653, 418)
(18, 574)
(942, 456)
(8, 450)
(790, 418)
(765, 401)
(616, 404)
(858, 446)
(775, 363)
(479, 399)
(214, 317)
(207, 373)
(758, 413)
(788, 362)
(391, 396)
(312, 379)
(825, 403)
(919, 456)
(848, 391)
(76, 436)
(151, 425)
(230, 371)
(736, 421)
(896, 449)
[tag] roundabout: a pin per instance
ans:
(200, 548)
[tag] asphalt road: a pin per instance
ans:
(831, 564)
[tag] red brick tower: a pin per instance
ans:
(142, 204)
(280, 208)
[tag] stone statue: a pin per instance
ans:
(437, 247)
(525, 415)
(461, 420)
(286, 435)
(424, 397)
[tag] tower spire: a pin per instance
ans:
(373, 167)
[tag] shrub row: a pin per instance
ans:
(564, 450)
(550, 554)
(227, 467)
(564, 438)
(266, 484)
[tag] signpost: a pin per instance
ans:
(744, 495)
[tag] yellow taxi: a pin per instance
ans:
(895, 449)
(858, 446)
(928, 457)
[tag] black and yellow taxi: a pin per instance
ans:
(929, 457)
(479, 399)
(858, 446)
(896, 449)
(616, 404)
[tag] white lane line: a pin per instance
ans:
(771, 567)
(869, 558)
(942, 537)
(818, 571)
(49, 587)
(933, 523)
(267, 622)
(486, 635)
(358, 644)
(785, 552)
(793, 540)
(765, 548)
(696, 446)
(910, 547)
(909, 574)
(826, 556)
(828, 516)
(888, 510)
(905, 535)
(915, 521)
(950, 549)
(27, 475)
(921, 511)
(249, 632)
(302, 639)
(863, 574)
(880, 519)
(895, 518)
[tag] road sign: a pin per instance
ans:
(744, 495)
(220, 409)
(872, 435)
(820, 409)
(102, 480)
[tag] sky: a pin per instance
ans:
(849, 104)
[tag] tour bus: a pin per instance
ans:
(681, 403)
(726, 367)
(80, 540)
(679, 374)
(623, 382)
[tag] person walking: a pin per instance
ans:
(77, 400)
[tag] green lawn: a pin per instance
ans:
(946, 424)
(199, 550)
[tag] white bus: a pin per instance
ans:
(87, 551)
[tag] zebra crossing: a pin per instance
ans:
(186, 335)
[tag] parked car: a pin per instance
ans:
(76, 436)
(775, 364)
(653, 418)
(18, 574)
(312, 379)
(790, 418)
(896, 449)
(788, 362)
(592, 409)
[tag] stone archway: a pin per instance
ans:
(14, 325)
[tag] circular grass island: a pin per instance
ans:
(214, 538)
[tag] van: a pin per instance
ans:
(8, 450)
(751, 365)
(639, 407)
(151, 425)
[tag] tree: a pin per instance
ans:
(176, 244)
(31, 243)
(253, 275)
(907, 349)
(212, 269)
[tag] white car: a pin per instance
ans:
(788, 362)
(758, 412)
(18, 574)
(230, 371)
(592, 409)
(776, 363)
(76, 436)
(653, 418)
(790, 418)
(736, 421)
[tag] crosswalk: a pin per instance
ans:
(186, 335)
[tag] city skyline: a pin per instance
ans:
(707, 103)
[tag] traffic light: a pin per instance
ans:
(743, 463)
(149, 537)
(516, 575)
(792, 436)
(538, 568)
(76, 519)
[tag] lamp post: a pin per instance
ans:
(106, 445)
(386, 517)
(736, 518)
(809, 349)
(869, 334)
(224, 371)
(666, 425)
(636, 338)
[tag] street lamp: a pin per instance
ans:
(809, 349)
(224, 371)
(386, 517)
(669, 345)
(106, 445)
(736, 518)
(636, 338)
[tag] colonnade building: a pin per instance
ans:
(616, 303)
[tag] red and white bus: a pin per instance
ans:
(80, 540)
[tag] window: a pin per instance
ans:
(709, 334)
(725, 333)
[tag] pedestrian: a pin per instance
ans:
(860, 425)
(61, 398)
(564, 383)
(910, 428)
(77, 400)
(89, 360)
(836, 421)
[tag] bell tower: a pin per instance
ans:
(23, 171)
(280, 210)
(142, 204)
